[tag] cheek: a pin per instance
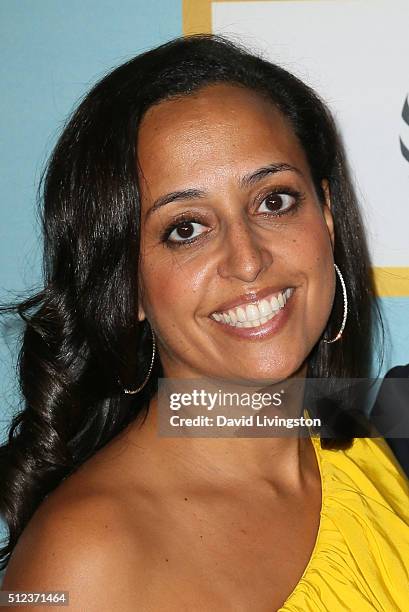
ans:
(312, 253)
(311, 248)
(171, 288)
(321, 283)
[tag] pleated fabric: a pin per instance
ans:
(360, 560)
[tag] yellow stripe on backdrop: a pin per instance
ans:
(197, 14)
(392, 282)
(197, 19)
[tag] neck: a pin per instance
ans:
(225, 463)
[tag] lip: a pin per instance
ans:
(250, 297)
(269, 328)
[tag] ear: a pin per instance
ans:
(329, 220)
(141, 313)
(141, 310)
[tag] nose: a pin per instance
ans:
(243, 255)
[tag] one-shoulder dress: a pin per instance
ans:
(360, 561)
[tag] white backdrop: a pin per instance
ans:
(355, 53)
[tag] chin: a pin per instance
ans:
(272, 374)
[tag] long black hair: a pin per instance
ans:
(81, 331)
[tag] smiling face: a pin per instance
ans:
(236, 272)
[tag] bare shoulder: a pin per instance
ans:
(83, 540)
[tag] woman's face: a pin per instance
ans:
(236, 273)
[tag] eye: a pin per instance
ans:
(185, 231)
(278, 203)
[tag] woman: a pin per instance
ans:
(192, 182)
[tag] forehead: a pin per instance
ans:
(212, 134)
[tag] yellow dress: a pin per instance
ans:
(360, 560)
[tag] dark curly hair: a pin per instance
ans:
(81, 331)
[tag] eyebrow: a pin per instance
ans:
(246, 181)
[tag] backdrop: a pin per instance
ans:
(354, 52)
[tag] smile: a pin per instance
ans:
(257, 313)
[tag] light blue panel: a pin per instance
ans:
(51, 52)
(395, 313)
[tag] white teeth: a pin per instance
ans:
(233, 316)
(254, 315)
(241, 315)
(252, 312)
(275, 304)
(265, 308)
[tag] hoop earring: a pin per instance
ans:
(344, 318)
(134, 391)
